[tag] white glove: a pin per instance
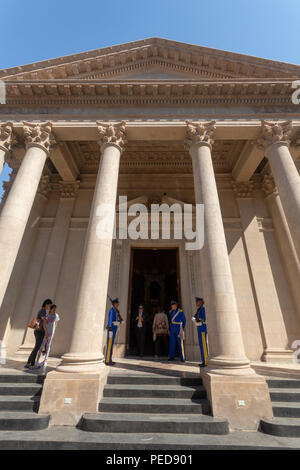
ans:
(110, 334)
(193, 319)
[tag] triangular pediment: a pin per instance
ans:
(152, 59)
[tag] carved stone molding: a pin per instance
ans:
(199, 133)
(276, 99)
(129, 56)
(112, 134)
(44, 186)
(268, 185)
(6, 136)
(243, 189)
(68, 189)
(39, 135)
(274, 132)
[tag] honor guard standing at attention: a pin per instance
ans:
(177, 325)
(114, 320)
(200, 320)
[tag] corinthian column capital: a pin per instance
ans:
(199, 133)
(39, 135)
(268, 185)
(68, 189)
(273, 133)
(242, 189)
(112, 134)
(6, 136)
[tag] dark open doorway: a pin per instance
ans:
(154, 282)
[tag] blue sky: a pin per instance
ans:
(34, 30)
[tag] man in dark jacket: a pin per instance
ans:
(140, 326)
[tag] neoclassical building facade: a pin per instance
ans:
(159, 122)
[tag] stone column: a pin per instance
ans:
(53, 260)
(82, 371)
(9, 304)
(285, 241)
(6, 141)
(15, 212)
(275, 140)
(274, 334)
(228, 377)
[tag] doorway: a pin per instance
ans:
(154, 283)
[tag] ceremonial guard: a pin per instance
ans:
(177, 325)
(200, 320)
(114, 320)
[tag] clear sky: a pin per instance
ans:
(33, 30)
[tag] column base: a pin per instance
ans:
(242, 399)
(81, 363)
(67, 396)
(224, 365)
(278, 355)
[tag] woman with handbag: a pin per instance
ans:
(39, 332)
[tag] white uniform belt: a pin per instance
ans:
(176, 322)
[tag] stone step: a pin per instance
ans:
(285, 394)
(22, 378)
(154, 405)
(153, 379)
(283, 383)
(22, 421)
(282, 409)
(71, 438)
(20, 389)
(19, 403)
(285, 427)
(155, 423)
(153, 391)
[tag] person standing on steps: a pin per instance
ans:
(114, 320)
(178, 321)
(161, 332)
(50, 326)
(140, 326)
(38, 324)
(200, 320)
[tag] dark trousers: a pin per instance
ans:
(140, 338)
(39, 336)
(161, 345)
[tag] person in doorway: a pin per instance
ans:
(112, 326)
(178, 322)
(161, 332)
(200, 320)
(39, 332)
(140, 326)
(50, 326)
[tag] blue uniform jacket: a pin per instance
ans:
(200, 315)
(179, 318)
(112, 317)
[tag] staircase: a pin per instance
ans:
(285, 397)
(153, 404)
(19, 402)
